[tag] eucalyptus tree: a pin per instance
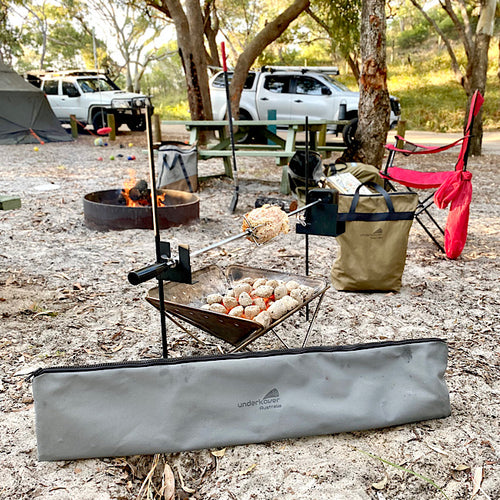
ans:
(340, 19)
(50, 34)
(197, 26)
(10, 35)
(474, 22)
(135, 32)
(374, 103)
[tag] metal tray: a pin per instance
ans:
(185, 301)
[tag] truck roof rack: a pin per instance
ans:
(331, 70)
(69, 72)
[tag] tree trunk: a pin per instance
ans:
(477, 69)
(267, 35)
(374, 104)
(189, 26)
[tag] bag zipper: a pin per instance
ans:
(237, 355)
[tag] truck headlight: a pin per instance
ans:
(140, 102)
(121, 103)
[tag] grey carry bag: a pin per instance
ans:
(178, 168)
(176, 404)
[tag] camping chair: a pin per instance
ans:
(453, 186)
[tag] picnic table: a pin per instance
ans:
(278, 147)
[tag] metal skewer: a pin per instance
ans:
(165, 262)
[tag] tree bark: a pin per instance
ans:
(477, 68)
(374, 104)
(189, 26)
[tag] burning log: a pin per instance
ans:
(140, 191)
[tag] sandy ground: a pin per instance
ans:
(65, 300)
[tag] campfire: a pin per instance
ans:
(130, 207)
(135, 193)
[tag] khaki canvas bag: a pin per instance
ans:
(372, 253)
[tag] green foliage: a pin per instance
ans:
(432, 99)
(412, 37)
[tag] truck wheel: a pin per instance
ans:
(245, 139)
(349, 131)
(99, 120)
(137, 124)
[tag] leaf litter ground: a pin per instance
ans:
(65, 300)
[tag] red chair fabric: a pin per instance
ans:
(456, 191)
(454, 186)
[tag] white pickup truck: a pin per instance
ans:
(295, 92)
(90, 96)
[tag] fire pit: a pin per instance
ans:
(186, 301)
(104, 210)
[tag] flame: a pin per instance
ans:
(142, 202)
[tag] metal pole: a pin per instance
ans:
(307, 192)
(234, 200)
(156, 228)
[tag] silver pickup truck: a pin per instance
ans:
(90, 96)
(294, 92)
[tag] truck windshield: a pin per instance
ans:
(90, 84)
(336, 84)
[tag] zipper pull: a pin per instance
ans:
(31, 375)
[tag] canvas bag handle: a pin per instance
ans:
(391, 214)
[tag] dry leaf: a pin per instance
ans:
(462, 467)
(246, 471)
(381, 484)
(219, 453)
(437, 449)
(183, 485)
(477, 479)
(168, 483)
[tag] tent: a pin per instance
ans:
(25, 113)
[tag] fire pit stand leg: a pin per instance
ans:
(313, 319)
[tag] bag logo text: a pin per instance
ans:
(268, 402)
